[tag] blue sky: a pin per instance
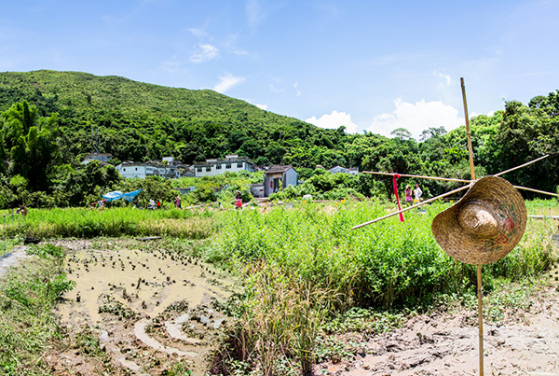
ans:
(368, 65)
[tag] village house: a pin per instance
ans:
(279, 177)
(131, 170)
(101, 157)
(217, 166)
(343, 170)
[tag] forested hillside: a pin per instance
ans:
(49, 119)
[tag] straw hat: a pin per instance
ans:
(485, 225)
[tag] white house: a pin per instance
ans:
(231, 163)
(279, 177)
(343, 170)
(101, 157)
(142, 170)
(131, 170)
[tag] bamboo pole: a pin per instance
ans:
(472, 172)
(536, 191)
(470, 148)
(417, 176)
(411, 207)
(524, 165)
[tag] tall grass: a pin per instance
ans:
(386, 265)
(116, 222)
(27, 325)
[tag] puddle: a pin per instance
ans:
(143, 302)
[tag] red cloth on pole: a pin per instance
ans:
(394, 178)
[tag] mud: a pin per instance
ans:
(524, 343)
(149, 308)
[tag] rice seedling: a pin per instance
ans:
(117, 222)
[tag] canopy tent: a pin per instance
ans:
(117, 195)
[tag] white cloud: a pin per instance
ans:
(298, 93)
(173, 65)
(227, 82)
(334, 121)
(262, 106)
(275, 89)
(416, 117)
(199, 33)
(231, 45)
(254, 13)
(204, 52)
(474, 114)
(447, 79)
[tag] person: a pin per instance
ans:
(417, 192)
(22, 210)
(238, 200)
(158, 204)
(151, 205)
(178, 202)
(408, 193)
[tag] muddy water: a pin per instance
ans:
(138, 300)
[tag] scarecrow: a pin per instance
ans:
(483, 226)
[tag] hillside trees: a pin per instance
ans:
(31, 142)
(139, 122)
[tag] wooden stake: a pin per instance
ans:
(472, 172)
(470, 148)
(417, 176)
(537, 191)
(524, 165)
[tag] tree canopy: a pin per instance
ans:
(49, 120)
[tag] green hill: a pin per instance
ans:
(139, 121)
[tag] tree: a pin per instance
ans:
(402, 134)
(32, 141)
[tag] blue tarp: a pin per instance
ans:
(117, 195)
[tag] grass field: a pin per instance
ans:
(305, 272)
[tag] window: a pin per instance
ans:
(240, 165)
(208, 169)
(218, 167)
(199, 169)
(228, 165)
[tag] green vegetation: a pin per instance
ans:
(86, 223)
(306, 273)
(309, 274)
(49, 120)
(27, 326)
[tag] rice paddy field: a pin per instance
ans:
(296, 274)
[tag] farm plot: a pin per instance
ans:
(150, 308)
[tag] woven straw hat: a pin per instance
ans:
(485, 225)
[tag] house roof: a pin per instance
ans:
(277, 169)
(214, 161)
(102, 163)
(91, 155)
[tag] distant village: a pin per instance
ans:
(275, 177)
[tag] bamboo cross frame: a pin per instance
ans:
(470, 182)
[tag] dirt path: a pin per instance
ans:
(9, 259)
(524, 343)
